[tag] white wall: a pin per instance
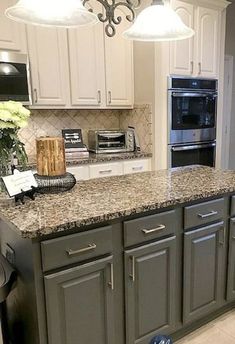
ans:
(230, 50)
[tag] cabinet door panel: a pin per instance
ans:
(231, 263)
(80, 304)
(150, 284)
(119, 66)
(86, 47)
(48, 54)
(181, 52)
(207, 42)
(203, 270)
(12, 34)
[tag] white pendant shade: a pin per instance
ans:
(60, 13)
(158, 23)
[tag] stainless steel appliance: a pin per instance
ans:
(192, 154)
(192, 110)
(111, 141)
(14, 77)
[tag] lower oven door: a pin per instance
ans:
(193, 154)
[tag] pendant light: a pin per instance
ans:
(158, 22)
(59, 13)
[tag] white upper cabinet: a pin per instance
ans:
(207, 41)
(197, 56)
(87, 70)
(48, 54)
(12, 34)
(182, 52)
(119, 66)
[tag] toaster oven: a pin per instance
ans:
(111, 141)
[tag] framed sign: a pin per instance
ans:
(72, 138)
(19, 183)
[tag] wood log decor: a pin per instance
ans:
(50, 156)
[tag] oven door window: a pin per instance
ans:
(193, 111)
(197, 156)
(111, 141)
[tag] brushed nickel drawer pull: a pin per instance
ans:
(110, 97)
(200, 68)
(137, 168)
(204, 216)
(132, 275)
(157, 229)
(111, 283)
(35, 95)
(90, 247)
(105, 171)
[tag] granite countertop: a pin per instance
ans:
(98, 200)
(99, 158)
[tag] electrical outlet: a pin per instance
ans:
(10, 254)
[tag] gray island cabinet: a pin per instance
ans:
(165, 268)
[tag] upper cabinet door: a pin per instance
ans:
(48, 53)
(208, 36)
(87, 71)
(119, 66)
(12, 35)
(182, 52)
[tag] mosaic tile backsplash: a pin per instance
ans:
(51, 122)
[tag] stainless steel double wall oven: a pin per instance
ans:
(192, 109)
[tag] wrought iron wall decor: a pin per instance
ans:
(109, 16)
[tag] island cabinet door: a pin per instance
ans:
(204, 271)
(150, 284)
(231, 263)
(79, 304)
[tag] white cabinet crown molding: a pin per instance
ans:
(215, 4)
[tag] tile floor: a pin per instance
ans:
(219, 331)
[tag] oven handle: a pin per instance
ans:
(191, 94)
(192, 147)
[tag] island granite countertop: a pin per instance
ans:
(99, 200)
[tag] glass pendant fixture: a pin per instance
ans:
(59, 13)
(158, 22)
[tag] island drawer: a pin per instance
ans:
(149, 227)
(232, 213)
(76, 248)
(203, 213)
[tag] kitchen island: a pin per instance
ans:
(118, 260)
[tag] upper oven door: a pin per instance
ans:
(192, 116)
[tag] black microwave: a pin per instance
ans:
(14, 77)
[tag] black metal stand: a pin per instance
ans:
(31, 194)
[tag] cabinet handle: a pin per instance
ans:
(132, 274)
(105, 171)
(110, 97)
(99, 96)
(192, 65)
(157, 229)
(137, 168)
(35, 95)
(90, 247)
(222, 242)
(111, 283)
(200, 68)
(204, 216)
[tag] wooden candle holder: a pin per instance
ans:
(50, 156)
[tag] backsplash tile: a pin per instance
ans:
(51, 122)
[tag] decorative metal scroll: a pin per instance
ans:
(109, 16)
